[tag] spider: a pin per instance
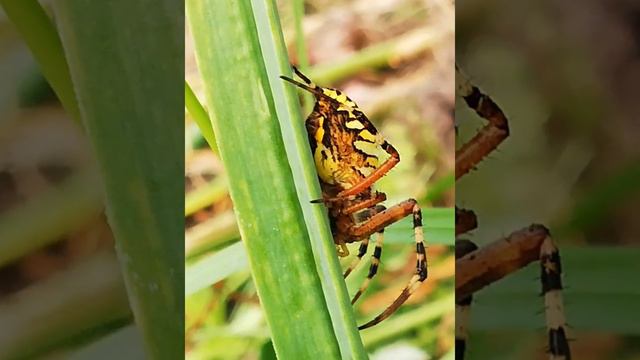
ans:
(343, 143)
(479, 267)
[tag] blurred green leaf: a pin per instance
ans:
(597, 205)
(126, 62)
(214, 267)
(200, 116)
(41, 36)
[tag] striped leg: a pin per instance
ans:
(363, 216)
(489, 137)
(373, 268)
(551, 272)
(465, 221)
(364, 244)
(421, 258)
(492, 262)
(463, 305)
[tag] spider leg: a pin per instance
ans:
(368, 181)
(463, 305)
(361, 252)
(489, 137)
(496, 260)
(465, 221)
(365, 242)
(376, 199)
(373, 268)
(380, 221)
(551, 271)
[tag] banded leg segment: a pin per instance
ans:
(551, 278)
(362, 250)
(486, 265)
(373, 268)
(489, 137)
(463, 304)
(364, 216)
(376, 199)
(421, 261)
(465, 221)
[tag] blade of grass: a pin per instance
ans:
(239, 85)
(406, 321)
(132, 108)
(305, 177)
(41, 37)
(378, 55)
(70, 314)
(76, 201)
(200, 116)
(205, 195)
(215, 267)
(124, 343)
(211, 234)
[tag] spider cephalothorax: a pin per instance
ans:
(479, 267)
(344, 144)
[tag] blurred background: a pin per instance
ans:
(395, 59)
(566, 77)
(60, 282)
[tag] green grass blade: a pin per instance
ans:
(215, 267)
(305, 178)
(240, 75)
(402, 323)
(200, 116)
(205, 195)
(126, 61)
(71, 314)
(77, 201)
(41, 37)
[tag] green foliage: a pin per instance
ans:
(240, 54)
(128, 105)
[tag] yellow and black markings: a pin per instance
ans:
(345, 144)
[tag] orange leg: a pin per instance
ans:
(378, 198)
(368, 181)
(489, 137)
(477, 268)
(380, 221)
(365, 242)
(373, 268)
(463, 304)
(465, 221)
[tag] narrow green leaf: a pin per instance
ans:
(205, 196)
(126, 62)
(215, 267)
(38, 32)
(76, 201)
(200, 116)
(406, 321)
(71, 313)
